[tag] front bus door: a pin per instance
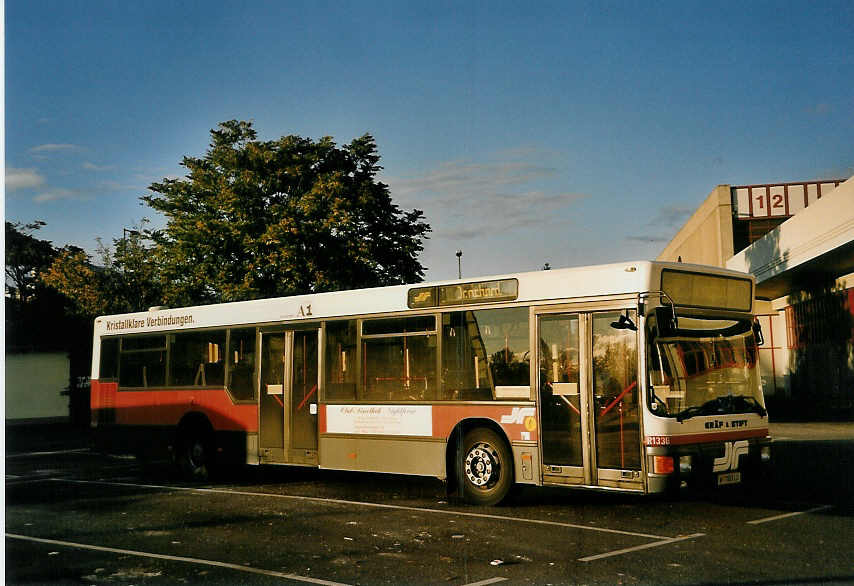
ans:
(288, 397)
(589, 415)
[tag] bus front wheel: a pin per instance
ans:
(487, 467)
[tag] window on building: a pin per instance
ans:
(820, 319)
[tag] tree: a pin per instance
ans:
(26, 257)
(38, 318)
(256, 219)
(126, 280)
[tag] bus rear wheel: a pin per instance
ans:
(194, 455)
(487, 467)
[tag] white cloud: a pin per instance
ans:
(93, 167)
(455, 178)
(22, 178)
(118, 186)
(57, 193)
(464, 200)
(667, 220)
(56, 147)
(671, 215)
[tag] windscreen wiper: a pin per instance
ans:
(723, 405)
(751, 404)
(694, 410)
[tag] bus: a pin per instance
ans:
(640, 377)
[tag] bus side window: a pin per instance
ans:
(195, 359)
(142, 362)
(241, 363)
(507, 347)
(341, 363)
(109, 363)
(399, 359)
(465, 368)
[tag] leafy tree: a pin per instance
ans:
(125, 280)
(73, 275)
(258, 219)
(26, 257)
(37, 316)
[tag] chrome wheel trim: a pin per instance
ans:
(482, 466)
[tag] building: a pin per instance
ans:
(36, 387)
(798, 240)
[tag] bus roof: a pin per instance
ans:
(599, 281)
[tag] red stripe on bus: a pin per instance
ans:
(447, 417)
(321, 419)
(701, 438)
(167, 407)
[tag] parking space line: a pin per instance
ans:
(371, 505)
(487, 581)
(22, 480)
(174, 558)
(639, 547)
(788, 515)
(55, 453)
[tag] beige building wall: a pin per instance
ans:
(706, 238)
(34, 385)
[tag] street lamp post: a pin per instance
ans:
(459, 264)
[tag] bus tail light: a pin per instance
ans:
(662, 465)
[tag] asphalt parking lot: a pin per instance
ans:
(76, 517)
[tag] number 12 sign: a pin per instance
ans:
(778, 201)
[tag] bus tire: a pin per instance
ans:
(194, 454)
(487, 467)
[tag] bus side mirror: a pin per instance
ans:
(666, 320)
(757, 333)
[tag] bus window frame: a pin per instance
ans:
(166, 334)
(528, 306)
(361, 386)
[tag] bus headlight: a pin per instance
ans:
(685, 463)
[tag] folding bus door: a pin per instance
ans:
(563, 401)
(589, 402)
(288, 398)
(616, 401)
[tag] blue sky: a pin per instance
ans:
(568, 133)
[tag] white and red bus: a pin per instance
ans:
(638, 376)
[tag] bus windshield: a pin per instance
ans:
(707, 367)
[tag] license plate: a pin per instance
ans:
(729, 478)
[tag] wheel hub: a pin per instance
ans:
(481, 465)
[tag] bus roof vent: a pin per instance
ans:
(156, 307)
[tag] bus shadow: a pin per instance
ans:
(804, 474)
